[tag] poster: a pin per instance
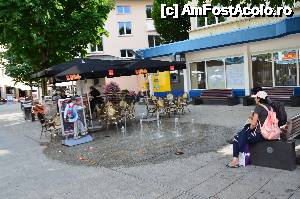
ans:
(161, 81)
(69, 127)
(215, 77)
(235, 76)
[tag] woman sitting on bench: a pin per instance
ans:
(251, 132)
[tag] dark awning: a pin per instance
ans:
(152, 66)
(97, 68)
(84, 65)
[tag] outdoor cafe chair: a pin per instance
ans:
(51, 125)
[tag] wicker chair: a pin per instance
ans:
(51, 126)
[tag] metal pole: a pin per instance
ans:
(88, 98)
(72, 88)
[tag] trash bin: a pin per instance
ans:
(27, 111)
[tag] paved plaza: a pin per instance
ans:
(27, 171)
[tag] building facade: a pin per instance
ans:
(130, 28)
(238, 53)
(7, 86)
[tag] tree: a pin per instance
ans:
(172, 30)
(38, 34)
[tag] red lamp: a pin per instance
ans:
(110, 72)
(172, 68)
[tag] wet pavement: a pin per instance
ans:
(144, 144)
(28, 173)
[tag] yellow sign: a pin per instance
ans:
(161, 81)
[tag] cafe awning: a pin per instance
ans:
(152, 66)
(80, 65)
(96, 68)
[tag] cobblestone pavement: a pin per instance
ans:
(26, 172)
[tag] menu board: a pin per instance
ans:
(68, 127)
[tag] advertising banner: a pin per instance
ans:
(161, 82)
(75, 124)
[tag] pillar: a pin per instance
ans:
(3, 92)
(187, 78)
(247, 70)
(17, 93)
(150, 84)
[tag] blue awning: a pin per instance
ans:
(275, 30)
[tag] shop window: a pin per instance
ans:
(123, 9)
(149, 9)
(262, 70)
(285, 68)
(154, 40)
(198, 79)
(215, 74)
(175, 77)
(235, 72)
(124, 28)
(126, 53)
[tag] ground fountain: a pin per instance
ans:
(145, 140)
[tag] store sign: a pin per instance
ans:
(141, 71)
(73, 77)
(289, 55)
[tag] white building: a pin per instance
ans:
(238, 53)
(130, 28)
(7, 85)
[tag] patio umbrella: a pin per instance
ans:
(95, 68)
(78, 65)
(152, 66)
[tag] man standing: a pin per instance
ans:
(96, 98)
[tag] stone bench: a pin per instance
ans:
(278, 154)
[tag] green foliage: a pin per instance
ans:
(19, 72)
(273, 3)
(40, 33)
(170, 29)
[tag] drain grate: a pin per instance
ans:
(107, 136)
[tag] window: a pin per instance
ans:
(262, 70)
(209, 20)
(149, 9)
(198, 79)
(126, 53)
(285, 68)
(124, 28)
(174, 76)
(96, 47)
(123, 9)
(154, 40)
(215, 74)
(235, 72)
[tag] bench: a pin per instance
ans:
(215, 96)
(286, 95)
(279, 154)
